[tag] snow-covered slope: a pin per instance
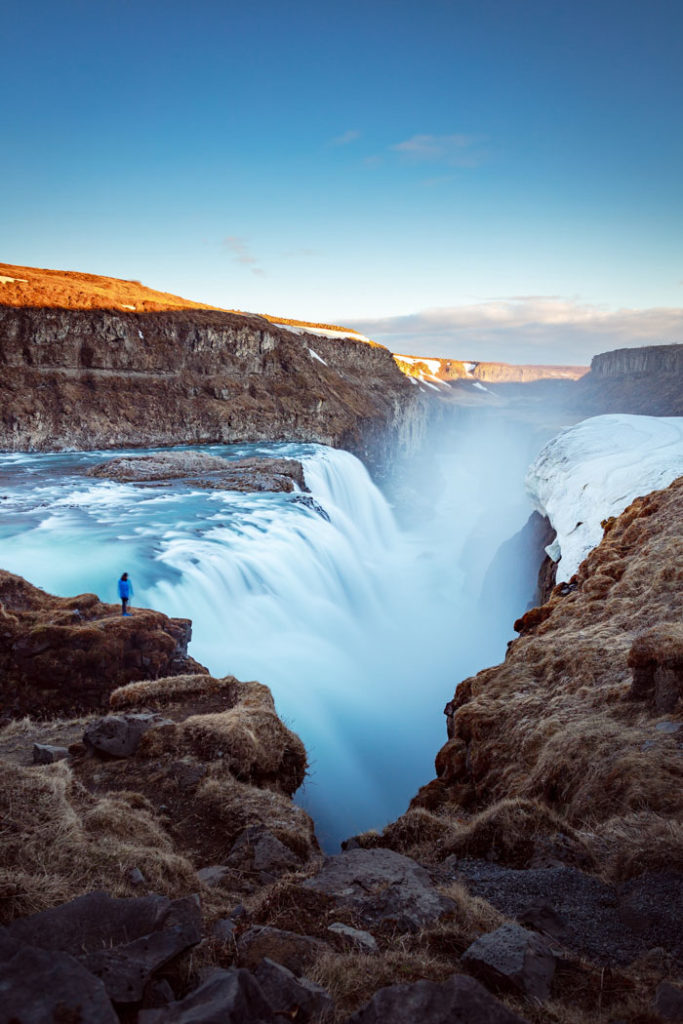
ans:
(596, 468)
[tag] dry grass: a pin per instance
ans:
(627, 847)
(158, 692)
(58, 841)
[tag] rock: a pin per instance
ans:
(54, 664)
(292, 998)
(135, 877)
(97, 921)
(460, 1000)
(656, 660)
(651, 905)
(214, 874)
(158, 993)
(293, 951)
(45, 753)
(668, 727)
(225, 997)
(126, 970)
(224, 929)
(513, 958)
(41, 987)
(381, 887)
(119, 735)
(543, 918)
(362, 940)
(669, 1001)
(199, 469)
(258, 850)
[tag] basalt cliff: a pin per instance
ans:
(83, 369)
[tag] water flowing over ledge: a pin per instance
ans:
(360, 629)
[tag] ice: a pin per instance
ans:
(594, 470)
(321, 332)
(314, 355)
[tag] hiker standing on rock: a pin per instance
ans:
(125, 593)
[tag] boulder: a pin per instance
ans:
(293, 951)
(97, 921)
(513, 958)
(382, 887)
(120, 735)
(460, 1000)
(45, 753)
(214, 874)
(292, 998)
(198, 469)
(225, 997)
(360, 939)
(258, 851)
(669, 1001)
(41, 987)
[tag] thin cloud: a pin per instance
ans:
(241, 253)
(455, 150)
(524, 330)
(345, 139)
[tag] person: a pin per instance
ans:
(125, 593)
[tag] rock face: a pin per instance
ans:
(460, 1000)
(636, 380)
(82, 378)
(198, 469)
(66, 655)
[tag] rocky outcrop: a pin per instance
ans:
(66, 655)
(104, 379)
(197, 469)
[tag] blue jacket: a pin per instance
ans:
(125, 588)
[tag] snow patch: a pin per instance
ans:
(476, 384)
(314, 355)
(321, 333)
(13, 280)
(594, 470)
(127, 307)
(140, 334)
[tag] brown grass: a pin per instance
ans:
(158, 692)
(58, 841)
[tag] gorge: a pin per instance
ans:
(360, 609)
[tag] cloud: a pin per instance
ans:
(345, 139)
(241, 253)
(454, 150)
(531, 329)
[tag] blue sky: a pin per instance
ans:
(502, 167)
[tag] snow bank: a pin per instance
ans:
(322, 333)
(593, 470)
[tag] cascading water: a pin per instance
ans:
(360, 629)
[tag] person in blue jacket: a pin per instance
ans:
(125, 593)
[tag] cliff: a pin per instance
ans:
(106, 377)
(636, 380)
(438, 369)
(65, 655)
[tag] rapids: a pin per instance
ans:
(360, 627)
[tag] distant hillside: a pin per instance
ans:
(436, 370)
(645, 380)
(70, 289)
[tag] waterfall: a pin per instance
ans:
(360, 629)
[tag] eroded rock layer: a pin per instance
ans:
(89, 379)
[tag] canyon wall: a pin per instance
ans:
(637, 380)
(96, 378)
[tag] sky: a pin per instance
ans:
(483, 179)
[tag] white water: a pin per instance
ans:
(361, 629)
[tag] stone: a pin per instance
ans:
(381, 887)
(293, 951)
(98, 921)
(135, 876)
(120, 735)
(224, 929)
(668, 727)
(651, 906)
(225, 997)
(460, 1000)
(158, 993)
(39, 987)
(513, 958)
(45, 753)
(292, 998)
(669, 1001)
(214, 874)
(543, 918)
(257, 850)
(363, 940)
(126, 970)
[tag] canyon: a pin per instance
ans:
(535, 878)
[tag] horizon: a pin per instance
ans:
(485, 181)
